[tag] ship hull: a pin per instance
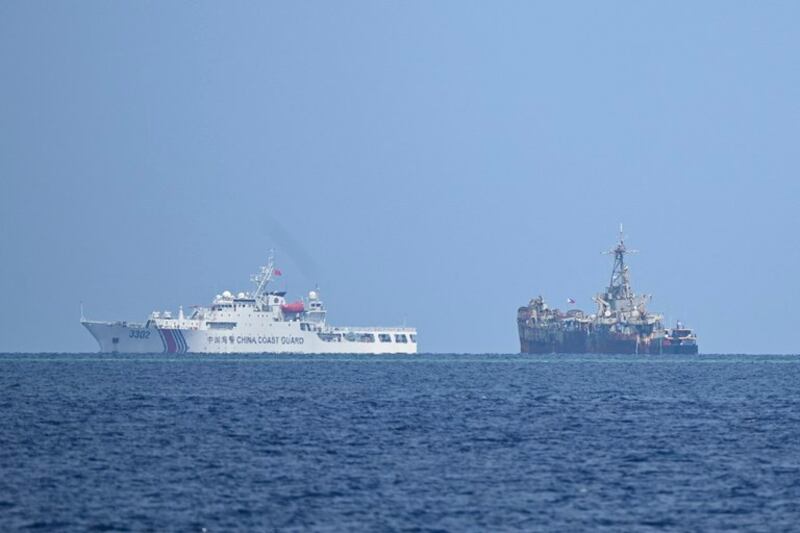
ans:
(554, 341)
(277, 338)
(680, 349)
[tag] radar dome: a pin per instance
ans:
(227, 294)
(312, 295)
(240, 295)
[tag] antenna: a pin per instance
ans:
(83, 318)
(264, 275)
(619, 286)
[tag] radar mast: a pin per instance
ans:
(619, 288)
(264, 276)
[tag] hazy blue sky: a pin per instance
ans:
(438, 162)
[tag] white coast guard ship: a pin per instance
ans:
(258, 322)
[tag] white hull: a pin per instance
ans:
(276, 337)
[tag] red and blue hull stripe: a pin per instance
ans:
(173, 341)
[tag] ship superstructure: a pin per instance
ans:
(621, 323)
(261, 321)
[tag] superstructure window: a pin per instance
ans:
(413, 338)
(221, 325)
(400, 338)
(384, 337)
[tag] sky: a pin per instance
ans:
(429, 163)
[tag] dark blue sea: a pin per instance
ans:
(422, 443)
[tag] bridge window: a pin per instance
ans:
(400, 338)
(384, 337)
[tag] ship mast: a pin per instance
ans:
(619, 288)
(264, 275)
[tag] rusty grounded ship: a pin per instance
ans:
(621, 324)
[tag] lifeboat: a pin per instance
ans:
(296, 307)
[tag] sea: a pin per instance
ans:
(399, 443)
